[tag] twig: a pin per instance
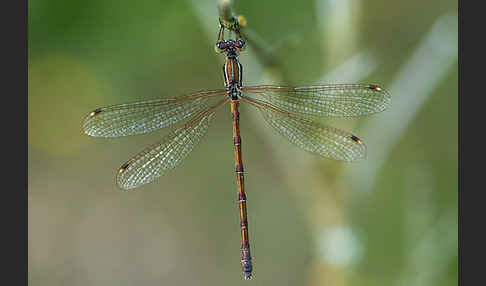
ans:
(263, 51)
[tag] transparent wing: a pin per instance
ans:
(336, 100)
(162, 156)
(145, 116)
(311, 136)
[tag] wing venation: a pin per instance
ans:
(312, 136)
(336, 100)
(145, 116)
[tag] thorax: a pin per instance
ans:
(232, 76)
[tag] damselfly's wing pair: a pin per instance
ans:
(292, 111)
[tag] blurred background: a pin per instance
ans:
(388, 220)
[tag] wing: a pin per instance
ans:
(311, 136)
(145, 116)
(336, 100)
(162, 156)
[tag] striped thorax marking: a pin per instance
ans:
(233, 77)
(232, 71)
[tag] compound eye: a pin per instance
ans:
(241, 45)
(220, 47)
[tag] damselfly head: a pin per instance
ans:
(230, 46)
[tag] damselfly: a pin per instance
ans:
(291, 111)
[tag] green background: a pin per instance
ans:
(387, 220)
